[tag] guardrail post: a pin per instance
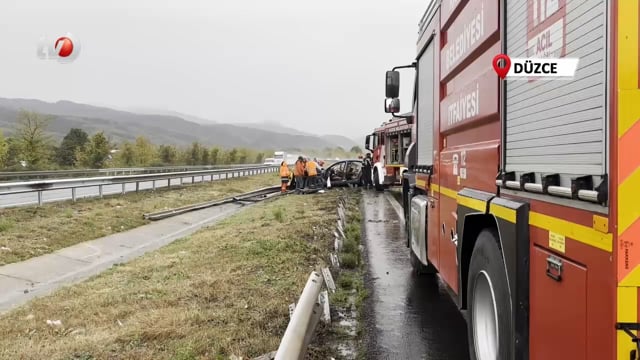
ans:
(153, 187)
(168, 183)
(137, 186)
(124, 188)
(100, 190)
(181, 181)
(73, 194)
(39, 198)
(211, 178)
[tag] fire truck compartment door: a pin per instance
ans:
(419, 227)
(558, 307)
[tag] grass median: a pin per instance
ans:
(223, 291)
(27, 232)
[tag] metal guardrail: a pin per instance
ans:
(255, 195)
(75, 183)
(303, 322)
(26, 175)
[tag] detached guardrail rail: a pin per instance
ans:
(251, 196)
(304, 320)
(40, 186)
(58, 174)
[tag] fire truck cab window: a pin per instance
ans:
(394, 149)
(374, 140)
(406, 141)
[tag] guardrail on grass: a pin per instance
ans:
(313, 304)
(47, 174)
(39, 186)
(304, 319)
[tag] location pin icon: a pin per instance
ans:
(501, 71)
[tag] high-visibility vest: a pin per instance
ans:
(312, 168)
(284, 171)
(299, 169)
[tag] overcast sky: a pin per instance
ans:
(306, 64)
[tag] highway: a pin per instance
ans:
(31, 198)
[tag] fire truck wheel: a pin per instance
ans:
(490, 334)
(376, 181)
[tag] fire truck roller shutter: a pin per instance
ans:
(558, 127)
(494, 231)
(426, 104)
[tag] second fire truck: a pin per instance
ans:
(525, 194)
(390, 144)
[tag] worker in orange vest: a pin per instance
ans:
(284, 176)
(312, 173)
(298, 172)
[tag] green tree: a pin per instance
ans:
(4, 151)
(12, 158)
(205, 157)
(127, 155)
(260, 158)
(232, 156)
(95, 154)
(145, 152)
(168, 154)
(195, 154)
(243, 156)
(356, 149)
(74, 140)
(32, 138)
(214, 155)
(223, 157)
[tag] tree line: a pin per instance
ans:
(32, 148)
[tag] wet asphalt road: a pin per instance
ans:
(407, 316)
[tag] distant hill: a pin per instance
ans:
(275, 127)
(160, 129)
(336, 140)
(188, 117)
(342, 141)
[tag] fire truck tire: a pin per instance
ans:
(376, 181)
(489, 326)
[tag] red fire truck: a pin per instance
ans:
(389, 145)
(525, 194)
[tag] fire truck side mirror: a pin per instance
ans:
(392, 106)
(392, 84)
(367, 143)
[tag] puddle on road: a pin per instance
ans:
(406, 316)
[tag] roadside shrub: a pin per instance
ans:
(349, 246)
(345, 282)
(353, 232)
(348, 261)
